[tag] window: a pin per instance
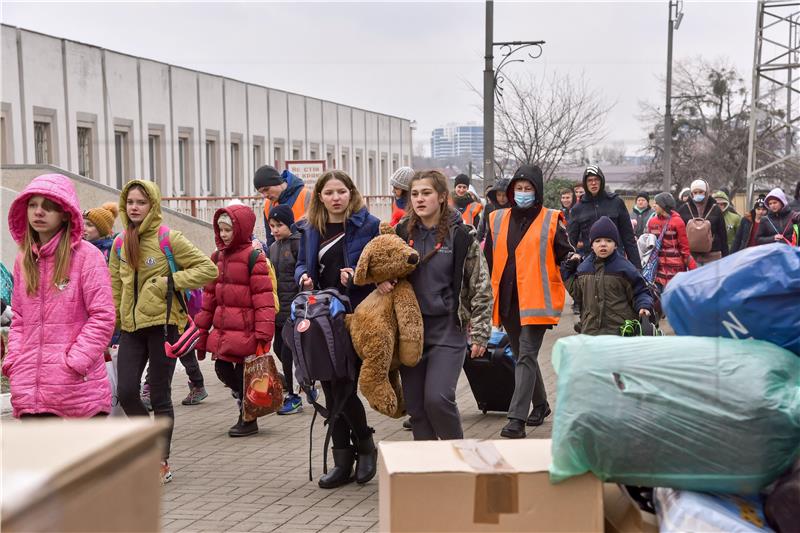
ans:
(258, 157)
(121, 156)
(295, 154)
(330, 163)
(210, 175)
(345, 162)
(313, 155)
(384, 170)
(6, 135)
(277, 156)
(42, 142)
(154, 153)
(358, 167)
(394, 165)
(183, 163)
(236, 169)
(85, 152)
(3, 142)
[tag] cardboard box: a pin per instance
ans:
(622, 515)
(482, 486)
(81, 475)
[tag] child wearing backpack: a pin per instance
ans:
(238, 304)
(140, 278)
(338, 227)
(63, 315)
(608, 287)
(449, 304)
(283, 255)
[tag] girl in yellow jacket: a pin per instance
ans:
(139, 273)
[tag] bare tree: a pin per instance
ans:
(547, 122)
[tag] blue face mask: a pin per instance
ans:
(699, 197)
(524, 199)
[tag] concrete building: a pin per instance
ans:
(111, 117)
(456, 140)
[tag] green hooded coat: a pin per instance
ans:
(140, 295)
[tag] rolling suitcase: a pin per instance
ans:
(491, 376)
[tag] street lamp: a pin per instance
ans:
(493, 86)
(674, 22)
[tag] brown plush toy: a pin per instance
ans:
(386, 328)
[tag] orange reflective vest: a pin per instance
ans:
(473, 210)
(298, 208)
(539, 286)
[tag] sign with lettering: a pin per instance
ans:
(308, 171)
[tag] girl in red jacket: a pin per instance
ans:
(674, 255)
(238, 304)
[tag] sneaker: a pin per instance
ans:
(291, 404)
(145, 396)
(313, 396)
(515, 429)
(166, 473)
(244, 429)
(195, 396)
(538, 414)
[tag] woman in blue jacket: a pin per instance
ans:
(337, 228)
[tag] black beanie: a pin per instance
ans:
(604, 228)
(282, 213)
(665, 201)
(462, 179)
(643, 195)
(267, 176)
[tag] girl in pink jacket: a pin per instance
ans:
(63, 307)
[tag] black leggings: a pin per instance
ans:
(284, 354)
(192, 366)
(353, 417)
(136, 349)
(232, 375)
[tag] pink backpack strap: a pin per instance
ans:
(119, 240)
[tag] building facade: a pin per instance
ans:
(456, 140)
(112, 117)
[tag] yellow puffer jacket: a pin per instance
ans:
(140, 296)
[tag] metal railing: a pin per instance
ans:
(204, 207)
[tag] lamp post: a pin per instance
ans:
(673, 24)
(493, 86)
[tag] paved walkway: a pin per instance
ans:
(260, 483)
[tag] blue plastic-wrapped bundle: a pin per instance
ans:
(691, 413)
(754, 293)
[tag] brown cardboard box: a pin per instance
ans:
(624, 516)
(81, 475)
(482, 486)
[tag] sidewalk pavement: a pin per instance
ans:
(260, 483)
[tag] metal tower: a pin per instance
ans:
(775, 109)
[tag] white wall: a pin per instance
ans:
(122, 82)
(43, 80)
(10, 96)
(258, 125)
(184, 115)
(85, 95)
(236, 126)
(74, 84)
(155, 113)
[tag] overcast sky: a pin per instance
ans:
(413, 60)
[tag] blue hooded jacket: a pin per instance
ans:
(359, 229)
(293, 187)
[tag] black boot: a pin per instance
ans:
(367, 465)
(342, 471)
(244, 429)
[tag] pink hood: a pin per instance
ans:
(55, 187)
(58, 334)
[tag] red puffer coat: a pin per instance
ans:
(674, 256)
(239, 304)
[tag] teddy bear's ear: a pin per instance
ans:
(362, 268)
(386, 228)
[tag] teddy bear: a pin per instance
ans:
(386, 328)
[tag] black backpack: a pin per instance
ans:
(322, 350)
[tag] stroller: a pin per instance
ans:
(649, 245)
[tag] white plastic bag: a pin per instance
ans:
(682, 510)
(111, 370)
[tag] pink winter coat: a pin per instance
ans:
(55, 358)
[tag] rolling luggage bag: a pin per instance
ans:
(491, 376)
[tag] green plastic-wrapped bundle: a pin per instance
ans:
(693, 413)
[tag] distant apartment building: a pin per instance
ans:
(457, 140)
(111, 117)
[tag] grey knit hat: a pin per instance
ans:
(402, 177)
(665, 201)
